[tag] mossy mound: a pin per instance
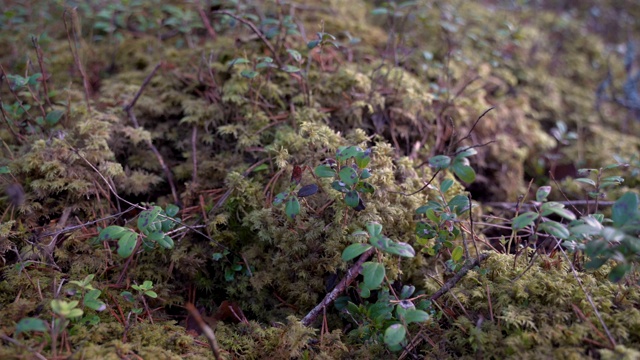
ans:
(147, 105)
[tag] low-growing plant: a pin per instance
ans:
(142, 290)
(152, 224)
(381, 320)
(349, 169)
(290, 197)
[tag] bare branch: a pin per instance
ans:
(253, 28)
(129, 110)
(352, 273)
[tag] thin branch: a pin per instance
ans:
(36, 354)
(422, 188)
(40, 57)
(194, 137)
(518, 206)
(129, 110)
(113, 191)
(206, 329)
(593, 305)
(352, 273)
(256, 31)
(473, 237)
(474, 126)
(459, 275)
(226, 195)
(73, 46)
(17, 136)
(206, 22)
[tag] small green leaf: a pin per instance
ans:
(313, 43)
(619, 272)
(171, 210)
(237, 61)
(407, 291)
(292, 208)
(586, 181)
(524, 220)
(373, 273)
(166, 242)
(365, 187)
(33, 79)
(381, 242)
(456, 254)
(365, 174)
(464, 172)
(347, 152)
(425, 231)
(280, 198)
(339, 186)
(295, 55)
(415, 316)
(127, 244)
(553, 207)
(30, 324)
(374, 228)
(400, 249)
(53, 117)
(354, 250)
(624, 209)
(112, 232)
(290, 69)
(394, 334)
(380, 311)
(324, 171)
(348, 176)
(379, 11)
(352, 199)
(555, 228)
(265, 65)
(151, 294)
(445, 185)
(542, 193)
(249, 74)
(440, 162)
(127, 295)
(5, 170)
(363, 159)
(465, 152)
(364, 290)
(91, 300)
(147, 217)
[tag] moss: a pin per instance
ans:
(409, 88)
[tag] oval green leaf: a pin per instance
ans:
(352, 199)
(348, 176)
(415, 316)
(394, 334)
(30, 324)
(440, 162)
(555, 228)
(354, 250)
(324, 171)
(524, 220)
(112, 232)
(373, 273)
(292, 208)
(127, 244)
(464, 172)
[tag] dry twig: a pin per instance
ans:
(129, 110)
(352, 273)
(206, 329)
